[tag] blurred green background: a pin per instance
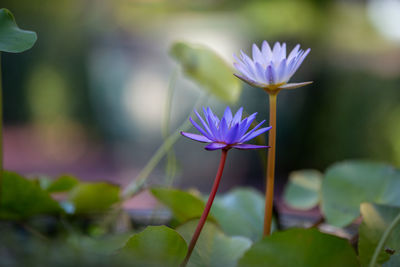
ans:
(89, 98)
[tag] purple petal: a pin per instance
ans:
(247, 123)
(303, 56)
(250, 81)
(260, 71)
(223, 128)
(244, 126)
(202, 122)
(283, 51)
(232, 134)
(213, 126)
(196, 137)
(257, 56)
(294, 52)
(251, 131)
(248, 146)
(266, 51)
(276, 51)
(243, 70)
(237, 59)
(248, 63)
(270, 75)
(215, 146)
(212, 116)
(201, 129)
(294, 85)
(228, 115)
(290, 66)
(256, 133)
(238, 116)
(281, 71)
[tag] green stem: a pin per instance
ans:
(168, 104)
(383, 240)
(269, 190)
(170, 169)
(137, 184)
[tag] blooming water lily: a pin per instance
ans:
(270, 68)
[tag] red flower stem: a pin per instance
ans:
(207, 208)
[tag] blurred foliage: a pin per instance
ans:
(376, 218)
(21, 198)
(213, 247)
(347, 184)
(303, 189)
(209, 70)
(93, 197)
(242, 206)
(155, 246)
(62, 184)
(300, 247)
(86, 230)
(19, 248)
(230, 211)
(183, 205)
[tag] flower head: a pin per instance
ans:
(270, 68)
(229, 132)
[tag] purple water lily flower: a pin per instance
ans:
(270, 68)
(229, 132)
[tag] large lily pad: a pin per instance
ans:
(240, 212)
(155, 246)
(303, 189)
(12, 38)
(347, 184)
(213, 248)
(376, 219)
(209, 70)
(21, 198)
(300, 248)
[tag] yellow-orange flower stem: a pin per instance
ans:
(269, 189)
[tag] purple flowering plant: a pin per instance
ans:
(228, 132)
(86, 215)
(271, 70)
(231, 131)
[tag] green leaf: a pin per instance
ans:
(94, 197)
(21, 198)
(240, 212)
(303, 189)
(12, 38)
(300, 248)
(347, 184)
(376, 218)
(62, 184)
(213, 248)
(155, 246)
(183, 205)
(209, 70)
